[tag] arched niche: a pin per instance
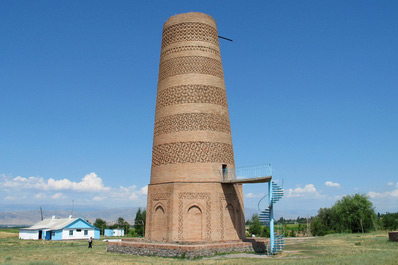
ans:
(194, 223)
(159, 223)
(230, 229)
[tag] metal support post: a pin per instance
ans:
(271, 219)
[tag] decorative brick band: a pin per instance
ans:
(190, 64)
(189, 31)
(190, 48)
(195, 93)
(192, 122)
(192, 152)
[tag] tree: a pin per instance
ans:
(101, 224)
(139, 222)
(350, 214)
(389, 221)
(122, 224)
(255, 227)
(356, 213)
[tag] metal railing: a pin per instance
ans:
(264, 170)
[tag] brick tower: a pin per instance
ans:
(192, 144)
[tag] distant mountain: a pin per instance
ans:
(287, 214)
(27, 215)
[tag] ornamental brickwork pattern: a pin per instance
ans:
(192, 152)
(190, 64)
(192, 122)
(190, 48)
(189, 31)
(193, 93)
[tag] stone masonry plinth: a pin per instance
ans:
(142, 248)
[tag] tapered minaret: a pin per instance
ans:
(192, 144)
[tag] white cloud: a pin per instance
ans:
(123, 194)
(133, 196)
(373, 194)
(332, 184)
(144, 190)
(57, 196)
(89, 189)
(385, 194)
(90, 182)
(252, 195)
(40, 195)
(308, 190)
(98, 198)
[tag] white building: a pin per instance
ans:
(60, 229)
(114, 232)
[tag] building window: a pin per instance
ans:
(86, 232)
(78, 230)
(71, 232)
(52, 233)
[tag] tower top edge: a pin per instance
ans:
(190, 17)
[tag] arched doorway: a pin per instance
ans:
(194, 223)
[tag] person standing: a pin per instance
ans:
(90, 242)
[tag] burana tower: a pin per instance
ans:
(192, 144)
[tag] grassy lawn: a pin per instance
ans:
(373, 248)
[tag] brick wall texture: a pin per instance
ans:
(192, 139)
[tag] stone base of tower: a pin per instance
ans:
(141, 247)
(195, 212)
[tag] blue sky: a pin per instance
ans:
(311, 85)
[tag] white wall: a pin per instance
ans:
(77, 235)
(29, 234)
(118, 232)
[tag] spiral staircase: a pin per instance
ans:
(277, 241)
(260, 174)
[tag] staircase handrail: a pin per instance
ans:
(258, 204)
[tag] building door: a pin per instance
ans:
(224, 172)
(40, 234)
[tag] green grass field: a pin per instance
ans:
(373, 248)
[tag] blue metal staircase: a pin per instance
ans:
(277, 241)
(265, 217)
(260, 174)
